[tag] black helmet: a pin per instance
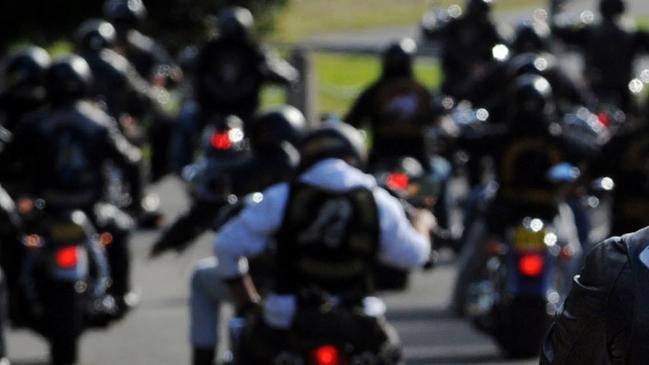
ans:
(68, 79)
(95, 34)
(530, 37)
(25, 71)
(530, 63)
(612, 8)
(235, 22)
(478, 8)
(334, 140)
(127, 12)
(397, 58)
(531, 94)
(283, 124)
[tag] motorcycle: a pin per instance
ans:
(524, 277)
(223, 146)
(327, 331)
(64, 277)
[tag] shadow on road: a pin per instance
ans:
(461, 359)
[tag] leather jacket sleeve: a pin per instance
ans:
(278, 71)
(127, 156)
(594, 325)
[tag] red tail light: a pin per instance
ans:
(531, 265)
(221, 141)
(326, 355)
(67, 258)
(604, 119)
(397, 181)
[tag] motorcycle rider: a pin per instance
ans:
(610, 49)
(605, 317)
(346, 206)
(274, 134)
(523, 149)
(531, 36)
(142, 51)
(9, 242)
(125, 95)
(467, 41)
(64, 151)
(623, 159)
(229, 73)
(153, 64)
(116, 83)
(398, 110)
(23, 85)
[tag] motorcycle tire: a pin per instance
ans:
(63, 316)
(523, 326)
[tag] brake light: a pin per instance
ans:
(326, 355)
(221, 141)
(604, 119)
(106, 239)
(67, 258)
(531, 265)
(397, 181)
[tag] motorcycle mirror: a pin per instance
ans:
(563, 173)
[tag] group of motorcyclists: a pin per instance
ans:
(302, 224)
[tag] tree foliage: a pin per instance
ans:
(176, 23)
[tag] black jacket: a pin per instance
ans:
(230, 74)
(609, 50)
(605, 319)
(61, 155)
(117, 83)
(398, 111)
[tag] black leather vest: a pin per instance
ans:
(328, 241)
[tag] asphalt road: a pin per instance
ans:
(156, 332)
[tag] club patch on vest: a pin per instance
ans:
(644, 257)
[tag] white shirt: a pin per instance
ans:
(248, 234)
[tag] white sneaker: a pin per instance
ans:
(4, 361)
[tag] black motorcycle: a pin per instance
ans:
(64, 277)
(208, 180)
(326, 331)
(525, 274)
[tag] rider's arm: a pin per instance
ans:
(247, 235)
(277, 70)
(361, 111)
(402, 244)
(127, 156)
(587, 330)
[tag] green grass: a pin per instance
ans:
(341, 78)
(304, 18)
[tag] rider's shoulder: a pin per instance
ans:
(605, 262)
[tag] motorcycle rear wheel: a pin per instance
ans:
(524, 326)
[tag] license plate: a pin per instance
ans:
(528, 240)
(66, 232)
